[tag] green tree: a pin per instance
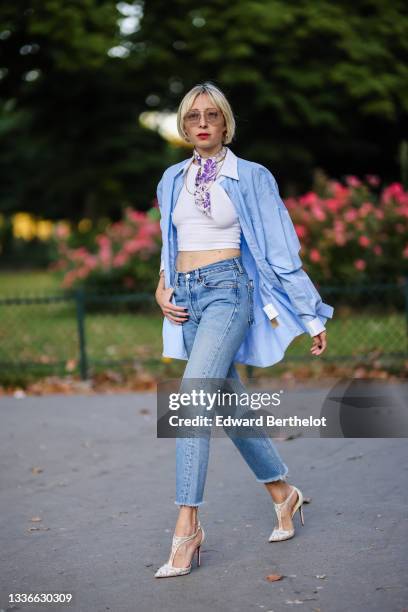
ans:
(313, 84)
(69, 122)
(317, 83)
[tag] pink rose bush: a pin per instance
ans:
(124, 255)
(353, 232)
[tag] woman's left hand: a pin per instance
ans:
(319, 343)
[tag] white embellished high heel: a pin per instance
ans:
(168, 570)
(279, 534)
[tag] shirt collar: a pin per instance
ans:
(229, 167)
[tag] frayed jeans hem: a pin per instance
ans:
(266, 480)
(191, 505)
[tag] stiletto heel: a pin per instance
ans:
(302, 520)
(168, 570)
(279, 534)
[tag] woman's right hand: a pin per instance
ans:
(175, 314)
(319, 343)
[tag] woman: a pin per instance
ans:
(231, 288)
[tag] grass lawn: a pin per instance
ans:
(14, 283)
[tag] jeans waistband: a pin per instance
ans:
(223, 264)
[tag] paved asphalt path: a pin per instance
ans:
(92, 469)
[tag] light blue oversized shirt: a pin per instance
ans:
(270, 253)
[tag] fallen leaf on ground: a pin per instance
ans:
(273, 577)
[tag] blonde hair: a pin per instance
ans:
(218, 98)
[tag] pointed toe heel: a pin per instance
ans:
(278, 534)
(168, 570)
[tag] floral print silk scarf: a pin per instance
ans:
(205, 177)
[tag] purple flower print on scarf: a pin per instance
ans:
(205, 177)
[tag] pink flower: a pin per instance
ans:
(333, 205)
(146, 243)
(403, 209)
(291, 203)
(100, 238)
(353, 181)
(78, 254)
(350, 215)
(91, 261)
(372, 179)
(120, 260)
(364, 241)
(405, 252)
(61, 231)
(340, 192)
(69, 278)
(105, 256)
(339, 232)
(135, 215)
(149, 229)
(395, 191)
(318, 213)
(339, 225)
(365, 208)
(308, 198)
(123, 231)
(360, 264)
(301, 230)
(315, 255)
(132, 246)
(377, 249)
(340, 239)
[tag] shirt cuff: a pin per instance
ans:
(315, 326)
(270, 311)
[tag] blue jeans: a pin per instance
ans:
(219, 300)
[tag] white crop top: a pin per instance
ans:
(198, 232)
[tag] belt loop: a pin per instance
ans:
(197, 274)
(240, 268)
(176, 277)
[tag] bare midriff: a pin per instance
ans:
(189, 260)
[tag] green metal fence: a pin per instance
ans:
(86, 331)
